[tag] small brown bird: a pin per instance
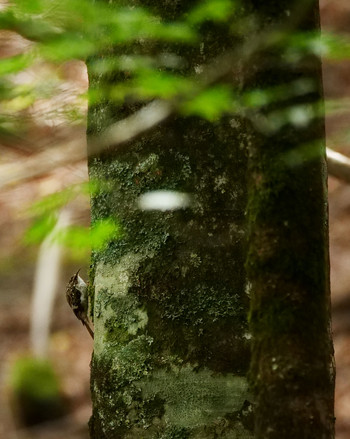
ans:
(77, 299)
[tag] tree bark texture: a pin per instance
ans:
(171, 341)
(287, 262)
(170, 298)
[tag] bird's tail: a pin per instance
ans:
(88, 327)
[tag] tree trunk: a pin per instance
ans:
(169, 295)
(287, 265)
(171, 341)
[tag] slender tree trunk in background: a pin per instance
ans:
(292, 371)
(171, 343)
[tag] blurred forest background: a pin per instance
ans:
(51, 157)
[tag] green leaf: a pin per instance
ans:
(14, 64)
(39, 230)
(45, 212)
(84, 239)
(211, 103)
(327, 45)
(211, 10)
(175, 32)
(75, 237)
(53, 202)
(103, 231)
(260, 97)
(335, 47)
(165, 85)
(126, 25)
(66, 47)
(30, 6)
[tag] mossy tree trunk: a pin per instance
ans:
(172, 347)
(292, 372)
(171, 341)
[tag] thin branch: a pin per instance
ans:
(66, 154)
(42, 163)
(338, 165)
(131, 127)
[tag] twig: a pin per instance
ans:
(127, 129)
(42, 163)
(338, 165)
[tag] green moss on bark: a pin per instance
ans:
(161, 283)
(169, 295)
